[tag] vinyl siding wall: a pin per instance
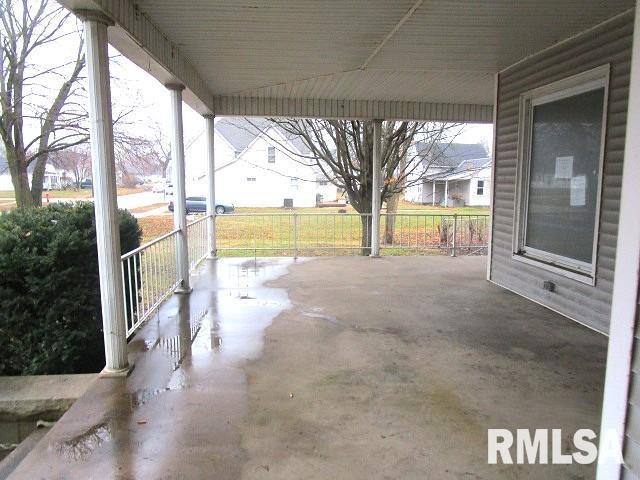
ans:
(610, 43)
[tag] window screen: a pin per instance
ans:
(562, 192)
(271, 154)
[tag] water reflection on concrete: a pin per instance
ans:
(177, 414)
(78, 447)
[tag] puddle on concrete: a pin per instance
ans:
(194, 342)
(81, 446)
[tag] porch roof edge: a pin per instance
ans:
(352, 109)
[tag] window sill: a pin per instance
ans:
(574, 275)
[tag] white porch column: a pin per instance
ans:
(209, 129)
(104, 194)
(179, 188)
(446, 193)
(375, 196)
(624, 301)
(433, 195)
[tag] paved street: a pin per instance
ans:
(134, 200)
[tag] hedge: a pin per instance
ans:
(50, 317)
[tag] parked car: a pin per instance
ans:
(199, 204)
(86, 183)
(158, 188)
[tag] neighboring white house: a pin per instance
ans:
(53, 177)
(454, 174)
(257, 165)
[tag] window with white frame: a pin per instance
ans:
(271, 154)
(294, 183)
(480, 188)
(561, 152)
(251, 179)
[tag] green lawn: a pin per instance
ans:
(314, 231)
(404, 207)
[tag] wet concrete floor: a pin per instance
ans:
(332, 368)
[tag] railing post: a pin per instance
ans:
(295, 235)
(209, 129)
(375, 189)
(105, 195)
(179, 188)
(455, 234)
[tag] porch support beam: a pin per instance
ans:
(105, 195)
(375, 189)
(179, 188)
(209, 128)
(624, 302)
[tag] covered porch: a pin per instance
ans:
(372, 367)
(333, 368)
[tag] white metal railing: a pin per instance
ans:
(311, 234)
(197, 241)
(453, 234)
(150, 273)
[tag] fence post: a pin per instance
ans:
(455, 234)
(295, 235)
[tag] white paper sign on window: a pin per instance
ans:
(578, 191)
(564, 167)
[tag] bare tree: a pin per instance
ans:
(143, 155)
(37, 97)
(160, 151)
(343, 151)
(77, 161)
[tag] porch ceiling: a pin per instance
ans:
(425, 51)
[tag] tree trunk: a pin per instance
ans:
(38, 179)
(365, 241)
(22, 190)
(392, 206)
(19, 178)
(361, 203)
(390, 224)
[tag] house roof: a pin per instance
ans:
(4, 166)
(454, 160)
(446, 154)
(237, 131)
(240, 132)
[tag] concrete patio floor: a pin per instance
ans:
(333, 368)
